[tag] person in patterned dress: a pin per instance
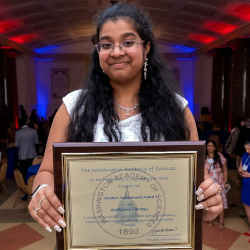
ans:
(216, 168)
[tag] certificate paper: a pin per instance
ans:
(129, 199)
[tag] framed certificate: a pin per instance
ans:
(129, 195)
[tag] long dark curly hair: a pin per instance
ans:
(162, 116)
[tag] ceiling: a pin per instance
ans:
(186, 25)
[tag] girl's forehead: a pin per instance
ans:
(117, 28)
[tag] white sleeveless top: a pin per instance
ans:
(130, 128)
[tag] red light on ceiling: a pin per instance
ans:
(9, 25)
(219, 27)
(240, 10)
(26, 38)
(201, 38)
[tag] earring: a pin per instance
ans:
(145, 68)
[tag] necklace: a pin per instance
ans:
(127, 110)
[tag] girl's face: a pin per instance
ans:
(247, 148)
(210, 147)
(121, 51)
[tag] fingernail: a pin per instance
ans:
(48, 229)
(199, 206)
(61, 210)
(62, 223)
(199, 191)
(57, 228)
(200, 197)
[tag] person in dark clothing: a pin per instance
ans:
(23, 115)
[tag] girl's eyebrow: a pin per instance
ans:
(125, 35)
(105, 38)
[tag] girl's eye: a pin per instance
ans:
(128, 43)
(106, 46)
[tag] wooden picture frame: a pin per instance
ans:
(156, 179)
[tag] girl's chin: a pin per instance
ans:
(122, 77)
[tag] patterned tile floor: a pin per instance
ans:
(18, 231)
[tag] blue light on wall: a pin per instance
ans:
(186, 65)
(183, 49)
(46, 49)
(181, 59)
(44, 59)
(41, 87)
(42, 100)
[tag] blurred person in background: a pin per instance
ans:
(244, 171)
(216, 168)
(26, 140)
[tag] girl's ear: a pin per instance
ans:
(147, 49)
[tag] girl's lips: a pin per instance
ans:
(119, 65)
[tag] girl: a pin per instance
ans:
(128, 98)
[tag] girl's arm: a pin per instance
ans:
(45, 207)
(191, 125)
(58, 133)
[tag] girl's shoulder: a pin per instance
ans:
(71, 99)
(181, 101)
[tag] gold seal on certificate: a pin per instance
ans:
(129, 195)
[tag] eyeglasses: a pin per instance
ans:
(107, 47)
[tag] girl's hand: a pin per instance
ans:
(47, 210)
(209, 197)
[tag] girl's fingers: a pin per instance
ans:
(209, 197)
(49, 221)
(215, 200)
(54, 201)
(35, 216)
(204, 185)
(46, 209)
(212, 190)
(51, 214)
